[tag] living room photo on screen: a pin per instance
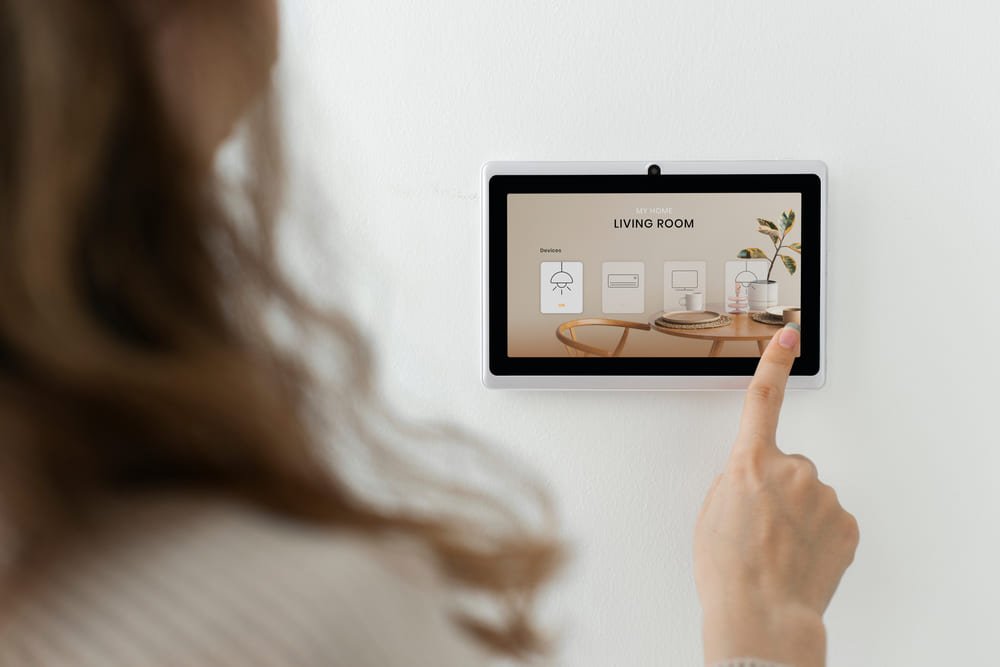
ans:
(651, 274)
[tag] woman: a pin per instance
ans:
(180, 487)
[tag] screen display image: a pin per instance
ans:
(678, 275)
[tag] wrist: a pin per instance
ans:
(791, 635)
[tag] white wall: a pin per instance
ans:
(394, 105)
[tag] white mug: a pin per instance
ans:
(694, 301)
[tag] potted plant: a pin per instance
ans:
(763, 294)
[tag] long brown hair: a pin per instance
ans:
(149, 340)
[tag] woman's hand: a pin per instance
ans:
(772, 541)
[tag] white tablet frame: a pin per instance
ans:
(646, 382)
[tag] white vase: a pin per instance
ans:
(763, 294)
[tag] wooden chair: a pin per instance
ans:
(566, 334)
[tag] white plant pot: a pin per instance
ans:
(763, 294)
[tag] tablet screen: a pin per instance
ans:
(664, 274)
(699, 259)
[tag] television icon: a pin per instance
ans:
(681, 278)
(684, 279)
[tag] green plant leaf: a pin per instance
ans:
(775, 236)
(789, 264)
(767, 223)
(752, 253)
(787, 221)
(797, 247)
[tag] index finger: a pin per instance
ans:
(762, 405)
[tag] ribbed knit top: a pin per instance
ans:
(216, 584)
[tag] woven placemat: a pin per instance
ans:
(767, 318)
(724, 320)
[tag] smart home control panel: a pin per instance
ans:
(650, 275)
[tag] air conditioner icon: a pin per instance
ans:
(623, 280)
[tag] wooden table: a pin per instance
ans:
(741, 329)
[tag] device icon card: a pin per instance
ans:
(623, 287)
(680, 279)
(561, 286)
(739, 274)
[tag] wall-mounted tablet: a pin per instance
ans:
(650, 275)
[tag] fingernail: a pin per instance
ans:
(789, 336)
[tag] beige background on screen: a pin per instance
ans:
(582, 227)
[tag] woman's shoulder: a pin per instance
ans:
(213, 582)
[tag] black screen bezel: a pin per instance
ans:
(501, 185)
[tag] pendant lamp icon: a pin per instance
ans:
(561, 280)
(744, 278)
